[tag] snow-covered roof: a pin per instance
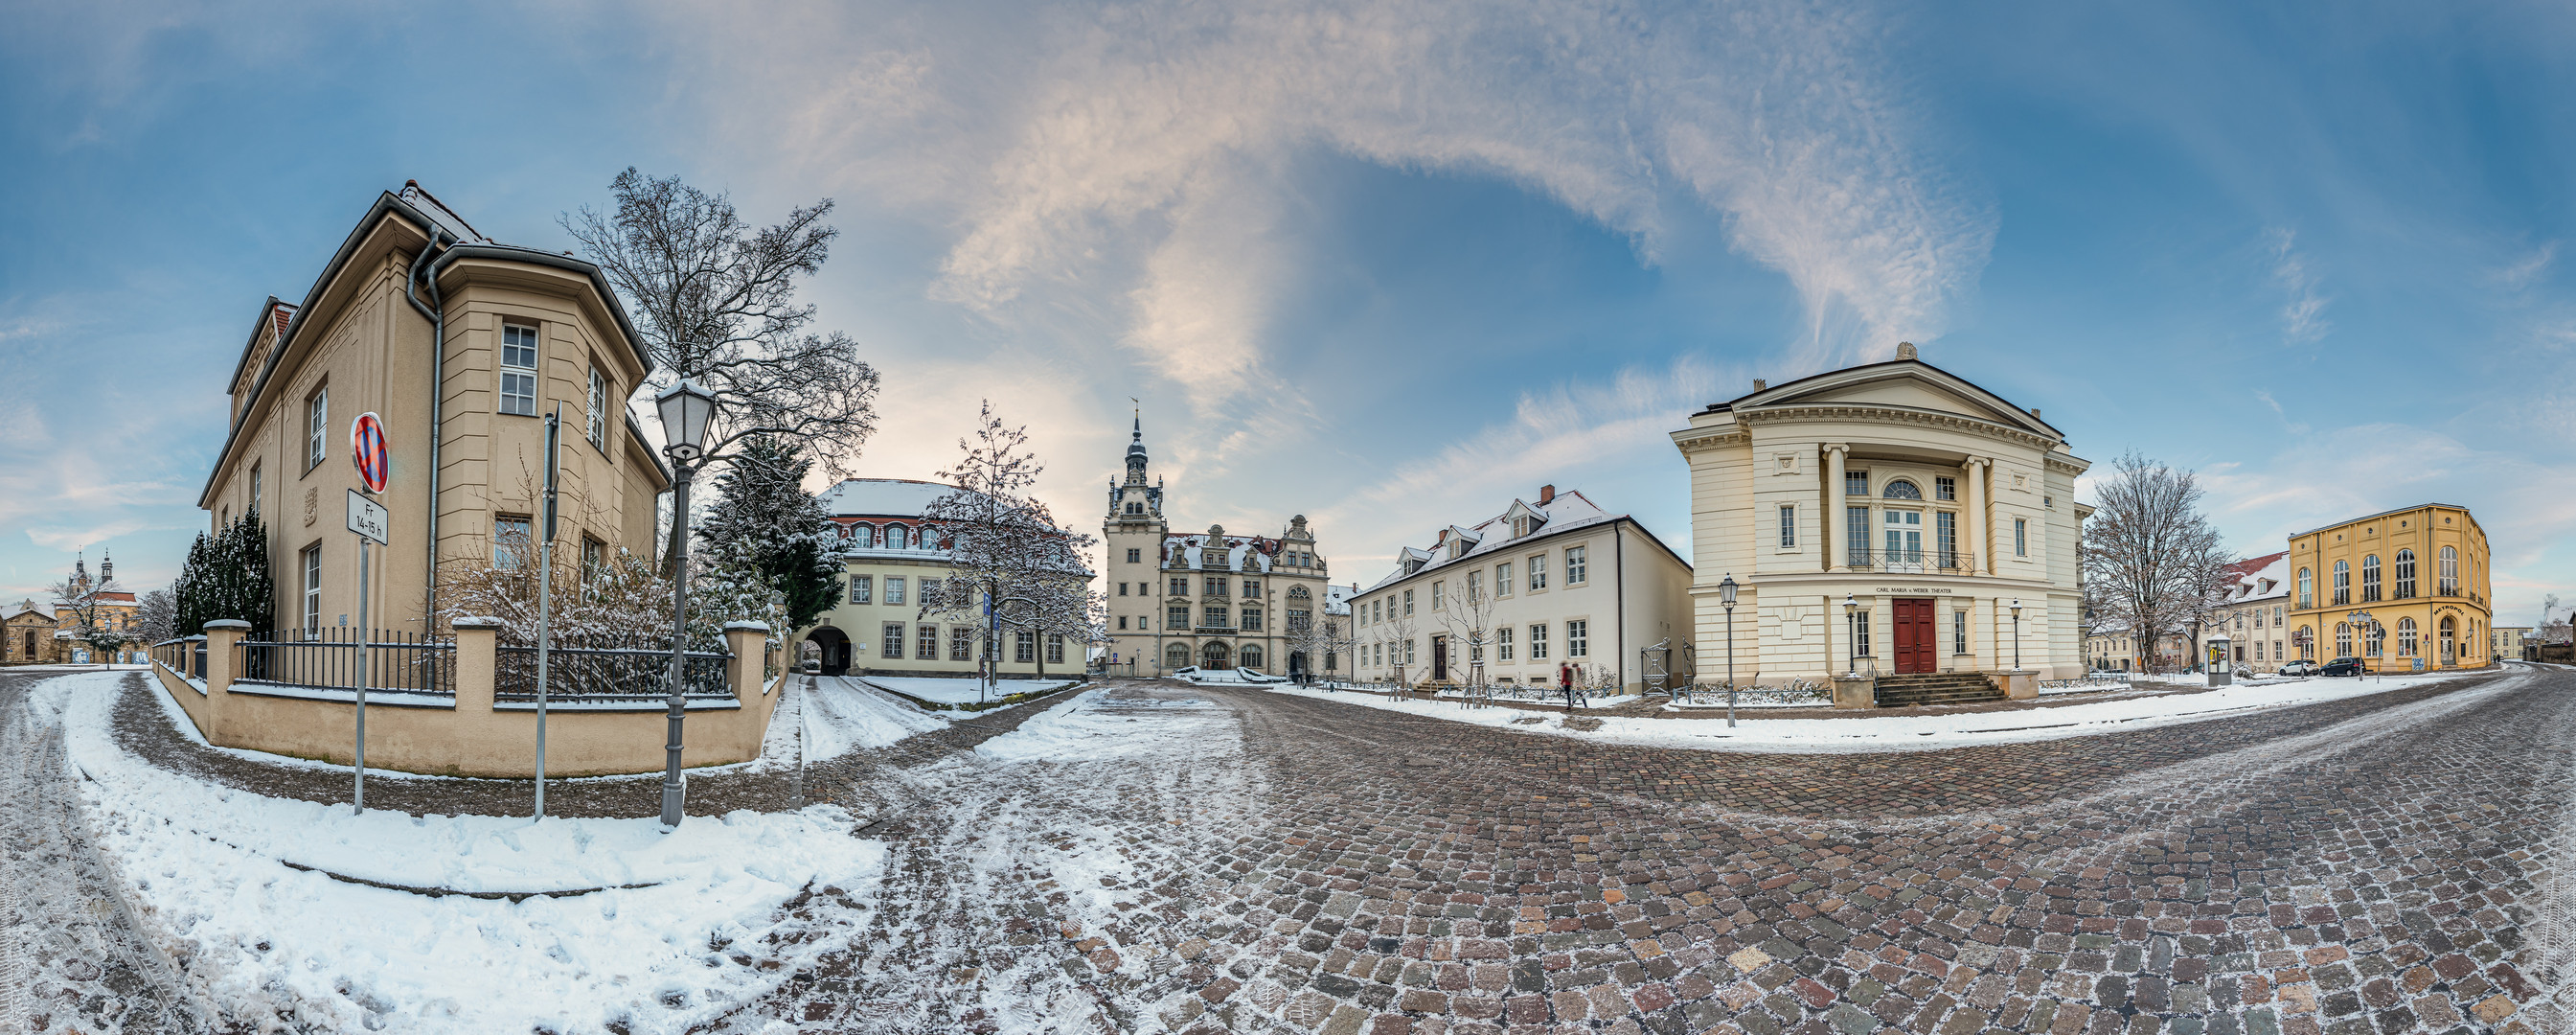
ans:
(1564, 512)
(1337, 599)
(882, 497)
(27, 607)
(1186, 550)
(2258, 579)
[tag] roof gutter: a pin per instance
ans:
(436, 311)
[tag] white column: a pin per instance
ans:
(1974, 471)
(1835, 552)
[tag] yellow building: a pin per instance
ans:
(2401, 590)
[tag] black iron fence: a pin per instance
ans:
(328, 658)
(1919, 562)
(185, 656)
(591, 675)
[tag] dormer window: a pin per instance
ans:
(1520, 526)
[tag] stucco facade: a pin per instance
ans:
(2419, 572)
(1927, 502)
(888, 556)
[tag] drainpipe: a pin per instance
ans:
(436, 311)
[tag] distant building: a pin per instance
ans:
(2420, 573)
(2509, 642)
(48, 633)
(1547, 581)
(1210, 600)
(1887, 518)
(889, 557)
(2253, 612)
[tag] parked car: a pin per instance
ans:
(2301, 667)
(2344, 666)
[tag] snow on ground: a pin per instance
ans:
(207, 863)
(1907, 730)
(838, 715)
(1103, 724)
(959, 691)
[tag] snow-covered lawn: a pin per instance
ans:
(1096, 725)
(837, 715)
(959, 691)
(1902, 730)
(210, 867)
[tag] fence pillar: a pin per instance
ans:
(223, 665)
(748, 642)
(478, 649)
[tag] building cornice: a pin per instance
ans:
(1898, 415)
(1694, 440)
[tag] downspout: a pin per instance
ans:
(436, 311)
(1619, 592)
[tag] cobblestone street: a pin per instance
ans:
(2381, 864)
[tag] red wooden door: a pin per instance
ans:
(1914, 636)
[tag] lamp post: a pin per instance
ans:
(2363, 622)
(1851, 626)
(2016, 613)
(685, 409)
(1726, 596)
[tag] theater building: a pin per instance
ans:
(1885, 519)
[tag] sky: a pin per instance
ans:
(1389, 263)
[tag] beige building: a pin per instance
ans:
(525, 332)
(1884, 518)
(2253, 612)
(889, 557)
(2509, 642)
(1205, 600)
(1547, 582)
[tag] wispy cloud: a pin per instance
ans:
(2524, 272)
(2303, 316)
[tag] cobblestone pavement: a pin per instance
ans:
(1284, 864)
(71, 957)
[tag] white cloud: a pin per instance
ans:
(2303, 316)
(2524, 272)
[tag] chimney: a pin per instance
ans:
(1443, 537)
(2034, 411)
(1760, 384)
(1546, 495)
(1905, 350)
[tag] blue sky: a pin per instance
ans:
(1387, 264)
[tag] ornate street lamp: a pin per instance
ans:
(685, 409)
(2016, 613)
(1726, 596)
(1851, 625)
(2363, 622)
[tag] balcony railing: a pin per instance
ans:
(1913, 562)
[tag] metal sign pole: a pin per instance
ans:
(359, 795)
(545, 593)
(368, 521)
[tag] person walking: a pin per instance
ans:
(1565, 684)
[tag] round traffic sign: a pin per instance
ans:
(367, 450)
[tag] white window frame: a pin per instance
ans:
(894, 591)
(894, 635)
(1578, 565)
(317, 424)
(1538, 642)
(1578, 638)
(1503, 643)
(504, 557)
(598, 411)
(507, 397)
(1788, 526)
(2021, 537)
(1538, 572)
(863, 589)
(313, 588)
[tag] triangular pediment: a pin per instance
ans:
(1905, 384)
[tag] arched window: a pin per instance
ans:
(1176, 656)
(2342, 584)
(2405, 636)
(2343, 639)
(2307, 589)
(1250, 657)
(2450, 638)
(1299, 593)
(1213, 654)
(863, 536)
(895, 537)
(1135, 508)
(2374, 638)
(2450, 573)
(1900, 489)
(2370, 578)
(2405, 575)
(2307, 641)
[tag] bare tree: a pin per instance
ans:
(157, 616)
(1005, 550)
(1468, 614)
(715, 302)
(2153, 564)
(1400, 626)
(92, 618)
(1319, 637)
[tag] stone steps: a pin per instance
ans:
(1936, 688)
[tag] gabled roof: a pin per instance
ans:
(1569, 511)
(882, 497)
(1885, 384)
(2257, 578)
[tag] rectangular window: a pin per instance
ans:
(862, 588)
(512, 544)
(894, 590)
(1216, 587)
(1180, 587)
(519, 370)
(1212, 615)
(1503, 644)
(1408, 603)
(926, 642)
(1122, 623)
(1177, 617)
(1860, 634)
(1502, 580)
(312, 588)
(1856, 535)
(1538, 642)
(254, 487)
(1408, 652)
(1475, 650)
(1856, 483)
(1251, 588)
(1945, 488)
(1252, 619)
(594, 558)
(1122, 589)
(1055, 648)
(317, 426)
(2021, 537)
(1439, 595)
(598, 410)
(1945, 538)
(1578, 638)
(1475, 586)
(1958, 629)
(893, 646)
(961, 643)
(1576, 569)
(1788, 527)
(1136, 556)
(1538, 571)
